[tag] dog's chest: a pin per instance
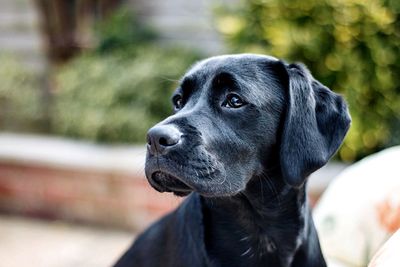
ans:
(259, 250)
(258, 245)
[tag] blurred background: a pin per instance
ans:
(81, 81)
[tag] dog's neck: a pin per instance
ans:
(267, 223)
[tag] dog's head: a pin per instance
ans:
(237, 116)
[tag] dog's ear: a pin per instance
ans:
(316, 122)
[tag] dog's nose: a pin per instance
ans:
(161, 138)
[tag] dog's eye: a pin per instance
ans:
(233, 101)
(178, 102)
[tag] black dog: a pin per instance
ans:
(246, 133)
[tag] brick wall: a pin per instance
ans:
(45, 188)
(99, 197)
(62, 179)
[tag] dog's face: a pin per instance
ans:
(231, 113)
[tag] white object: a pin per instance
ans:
(360, 210)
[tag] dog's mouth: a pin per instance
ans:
(164, 182)
(181, 176)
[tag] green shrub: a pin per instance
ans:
(20, 98)
(352, 46)
(121, 88)
(113, 98)
(122, 31)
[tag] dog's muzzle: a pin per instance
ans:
(162, 138)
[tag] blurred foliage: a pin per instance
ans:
(123, 87)
(20, 96)
(352, 46)
(122, 31)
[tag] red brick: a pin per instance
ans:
(81, 195)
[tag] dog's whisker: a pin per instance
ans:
(245, 238)
(223, 180)
(246, 252)
(168, 79)
(201, 174)
(208, 173)
(262, 189)
(271, 186)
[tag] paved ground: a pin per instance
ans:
(29, 242)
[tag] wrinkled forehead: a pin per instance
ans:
(240, 64)
(250, 72)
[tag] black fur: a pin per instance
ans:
(245, 168)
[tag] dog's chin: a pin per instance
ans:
(164, 176)
(164, 182)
